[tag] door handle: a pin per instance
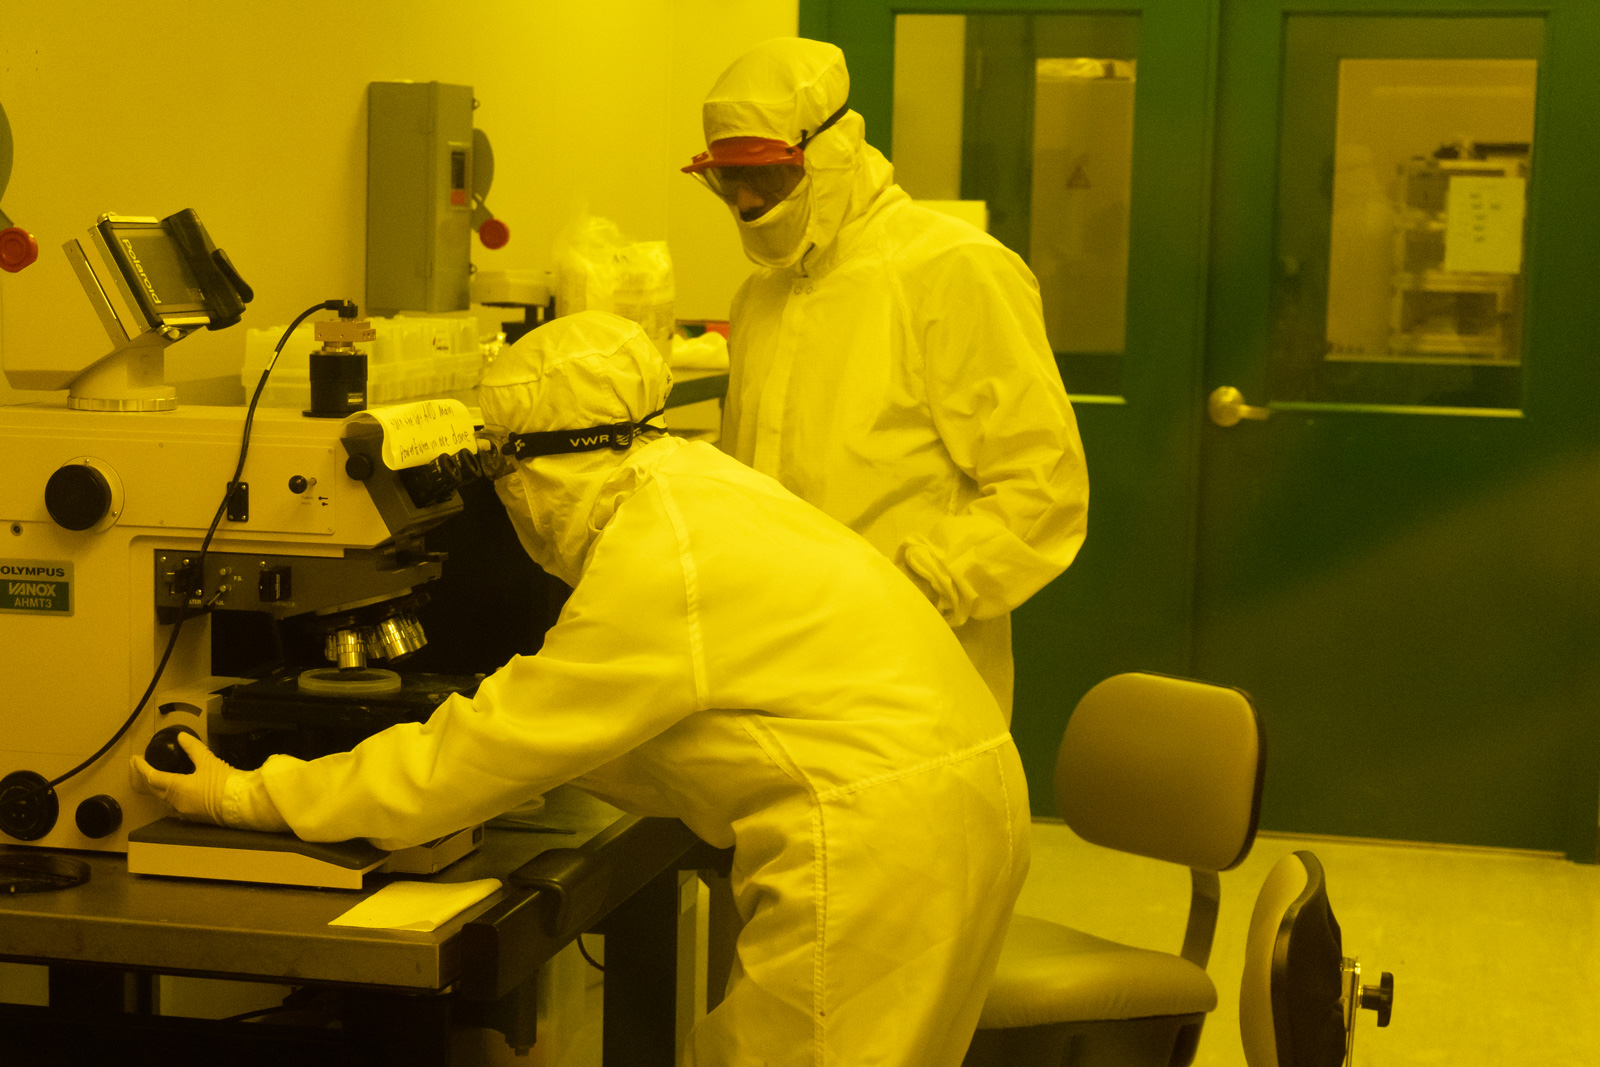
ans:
(1226, 406)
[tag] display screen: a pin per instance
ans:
(155, 270)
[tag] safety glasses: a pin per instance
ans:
(762, 166)
(769, 183)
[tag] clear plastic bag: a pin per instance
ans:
(598, 269)
(645, 292)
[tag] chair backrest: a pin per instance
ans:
(1164, 767)
(1290, 1009)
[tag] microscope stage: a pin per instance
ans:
(182, 849)
(280, 700)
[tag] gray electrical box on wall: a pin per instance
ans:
(419, 196)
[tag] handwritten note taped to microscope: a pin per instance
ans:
(416, 433)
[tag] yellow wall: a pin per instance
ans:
(253, 114)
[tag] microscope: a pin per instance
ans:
(126, 536)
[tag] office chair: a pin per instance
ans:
(1300, 993)
(1161, 767)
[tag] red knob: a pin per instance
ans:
(17, 249)
(494, 234)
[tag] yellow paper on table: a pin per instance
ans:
(416, 905)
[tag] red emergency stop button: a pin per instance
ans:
(494, 234)
(17, 249)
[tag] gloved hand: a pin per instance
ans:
(198, 796)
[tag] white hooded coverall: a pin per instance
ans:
(896, 373)
(732, 657)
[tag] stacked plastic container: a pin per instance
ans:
(412, 356)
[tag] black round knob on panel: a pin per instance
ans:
(99, 816)
(165, 754)
(298, 484)
(77, 496)
(359, 467)
(28, 810)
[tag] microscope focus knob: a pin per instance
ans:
(165, 754)
(359, 467)
(77, 496)
(99, 816)
(28, 806)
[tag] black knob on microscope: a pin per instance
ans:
(77, 496)
(28, 806)
(99, 816)
(359, 467)
(165, 754)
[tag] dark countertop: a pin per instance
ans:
(280, 933)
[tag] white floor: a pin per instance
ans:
(1496, 954)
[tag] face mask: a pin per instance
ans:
(535, 542)
(778, 238)
(553, 508)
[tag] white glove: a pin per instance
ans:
(213, 792)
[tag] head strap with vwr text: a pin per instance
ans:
(617, 436)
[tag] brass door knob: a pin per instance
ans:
(1226, 406)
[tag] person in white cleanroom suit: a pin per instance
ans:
(889, 363)
(735, 658)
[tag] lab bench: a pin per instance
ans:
(370, 996)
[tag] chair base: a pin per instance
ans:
(1157, 1041)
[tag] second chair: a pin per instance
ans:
(1162, 767)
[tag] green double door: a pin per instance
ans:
(1321, 280)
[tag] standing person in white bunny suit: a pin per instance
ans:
(889, 363)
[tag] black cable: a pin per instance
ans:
(308, 1000)
(588, 957)
(259, 1012)
(346, 310)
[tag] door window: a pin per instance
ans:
(1402, 191)
(1082, 181)
(1023, 124)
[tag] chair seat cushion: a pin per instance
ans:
(1050, 973)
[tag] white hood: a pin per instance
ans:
(582, 370)
(784, 89)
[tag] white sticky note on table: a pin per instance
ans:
(418, 432)
(1483, 228)
(416, 905)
